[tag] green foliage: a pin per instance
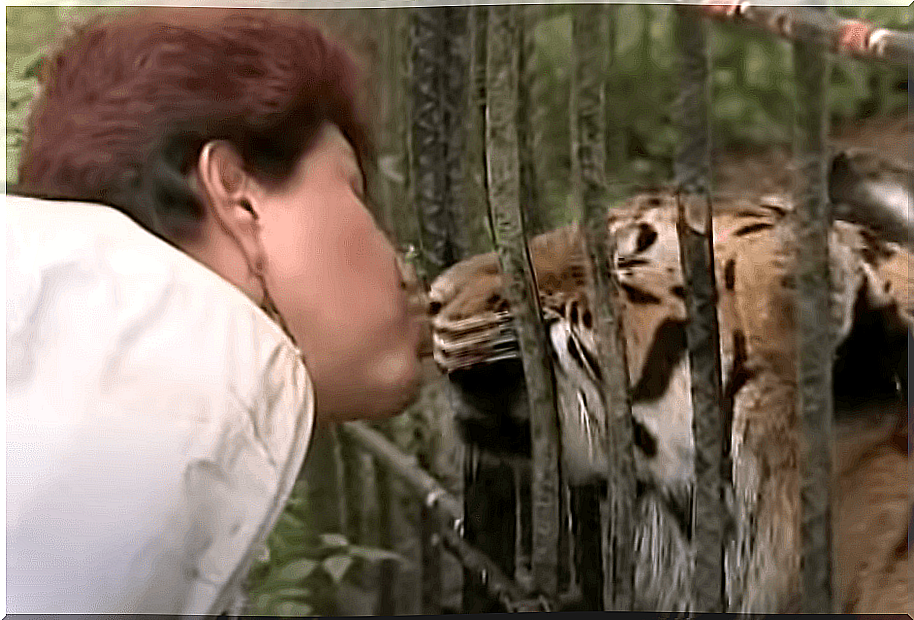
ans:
(21, 87)
(752, 91)
(300, 570)
(752, 86)
(31, 32)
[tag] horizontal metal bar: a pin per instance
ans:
(498, 585)
(404, 467)
(849, 37)
(437, 499)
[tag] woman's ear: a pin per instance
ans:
(229, 195)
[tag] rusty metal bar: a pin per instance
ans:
(696, 246)
(405, 467)
(428, 155)
(590, 33)
(431, 561)
(815, 338)
(849, 37)
(503, 589)
(449, 517)
(529, 130)
(389, 570)
(502, 167)
(455, 78)
(324, 480)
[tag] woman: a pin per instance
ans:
(237, 137)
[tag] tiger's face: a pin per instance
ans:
(472, 325)
(756, 306)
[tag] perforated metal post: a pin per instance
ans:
(488, 483)
(502, 168)
(438, 68)
(696, 245)
(590, 34)
(815, 332)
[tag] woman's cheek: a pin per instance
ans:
(372, 261)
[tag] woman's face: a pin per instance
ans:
(334, 278)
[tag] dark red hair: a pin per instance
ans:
(128, 103)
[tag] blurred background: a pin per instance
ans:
(312, 564)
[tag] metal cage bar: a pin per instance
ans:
(696, 246)
(503, 173)
(813, 33)
(850, 37)
(590, 32)
(428, 153)
(815, 338)
(447, 515)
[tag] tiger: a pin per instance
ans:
(870, 267)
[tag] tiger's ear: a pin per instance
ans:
(867, 189)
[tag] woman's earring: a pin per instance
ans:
(268, 305)
(258, 269)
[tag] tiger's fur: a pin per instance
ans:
(756, 304)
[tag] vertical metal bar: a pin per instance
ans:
(428, 169)
(590, 33)
(523, 536)
(431, 561)
(474, 187)
(439, 72)
(529, 85)
(322, 479)
(388, 570)
(488, 487)
(696, 246)
(507, 223)
(489, 525)
(454, 104)
(815, 339)
(353, 490)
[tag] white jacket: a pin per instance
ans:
(156, 419)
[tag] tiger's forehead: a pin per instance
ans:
(647, 250)
(644, 229)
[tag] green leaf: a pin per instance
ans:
(372, 554)
(263, 602)
(293, 609)
(297, 571)
(12, 165)
(292, 594)
(337, 566)
(729, 106)
(333, 541)
(290, 520)
(15, 119)
(20, 91)
(28, 65)
(262, 554)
